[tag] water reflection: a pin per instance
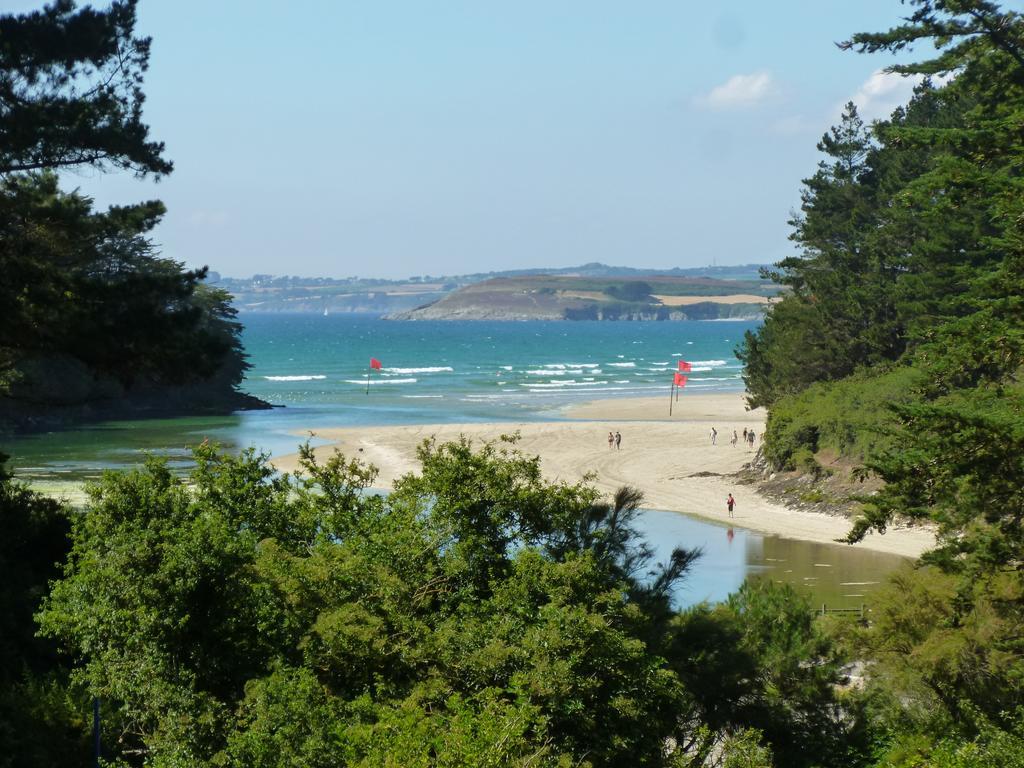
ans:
(838, 575)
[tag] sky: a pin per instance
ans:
(391, 139)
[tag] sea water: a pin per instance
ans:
(457, 371)
(317, 368)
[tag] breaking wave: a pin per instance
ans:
(431, 369)
(374, 382)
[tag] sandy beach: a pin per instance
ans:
(671, 459)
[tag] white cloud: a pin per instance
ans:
(881, 93)
(741, 91)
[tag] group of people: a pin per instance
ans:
(748, 437)
(615, 442)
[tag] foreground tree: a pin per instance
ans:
(41, 718)
(86, 293)
(71, 90)
(944, 412)
(95, 321)
(477, 615)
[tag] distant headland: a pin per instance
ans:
(588, 292)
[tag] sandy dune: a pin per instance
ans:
(670, 459)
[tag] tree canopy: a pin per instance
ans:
(92, 312)
(900, 345)
(71, 90)
(476, 615)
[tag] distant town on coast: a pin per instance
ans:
(588, 292)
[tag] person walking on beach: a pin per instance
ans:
(744, 434)
(750, 439)
(730, 503)
(714, 436)
(618, 441)
(735, 438)
(611, 441)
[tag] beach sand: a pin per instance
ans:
(670, 459)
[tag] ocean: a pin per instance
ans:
(457, 371)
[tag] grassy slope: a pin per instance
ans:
(556, 297)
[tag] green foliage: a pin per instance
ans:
(745, 750)
(477, 615)
(959, 462)
(946, 672)
(70, 85)
(847, 417)
(235, 617)
(86, 286)
(41, 719)
(901, 344)
(635, 290)
(759, 660)
(89, 309)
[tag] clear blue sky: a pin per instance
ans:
(402, 138)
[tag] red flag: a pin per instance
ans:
(680, 380)
(375, 363)
(685, 366)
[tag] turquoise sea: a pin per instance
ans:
(433, 372)
(477, 370)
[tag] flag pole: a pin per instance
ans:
(671, 393)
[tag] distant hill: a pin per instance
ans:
(562, 297)
(269, 293)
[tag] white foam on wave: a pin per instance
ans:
(544, 372)
(549, 393)
(659, 362)
(557, 384)
(380, 381)
(423, 397)
(622, 365)
(429, 369)
(294, 378)
(506, 367)
(623, 381)
(714, 363)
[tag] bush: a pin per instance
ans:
(850, 417)
(636, 290)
